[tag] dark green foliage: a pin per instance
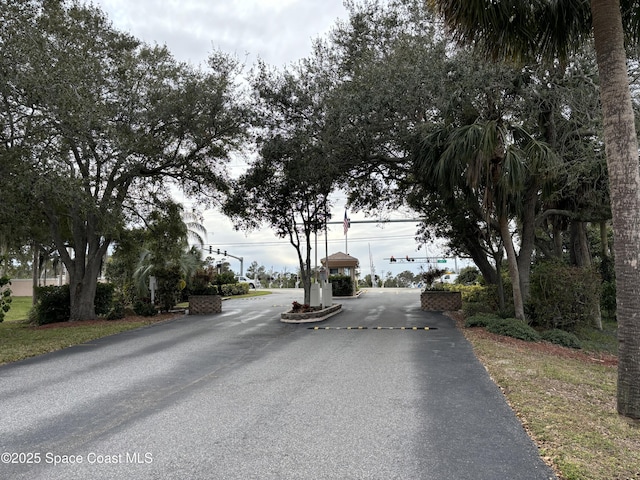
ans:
(122, 263)
(341, 285)
(225, 278)
(144, 308)
(208, 282)
(563, 296)
(5, 297)
(468, 276)
(512, 327)
(608, 289)
(117, 311)
(560, 337)
(471, 308)
(168, 286)
(480, 320)
(53, 305)
(54, 302)
(104, 298)
(201, 282)
(432, 275)
(608, 297)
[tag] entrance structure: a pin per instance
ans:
(342, 264)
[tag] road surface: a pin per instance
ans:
(240, 395)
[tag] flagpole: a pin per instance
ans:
(346, 230)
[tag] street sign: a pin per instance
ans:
(442, 261)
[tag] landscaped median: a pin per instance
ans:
(311, 315)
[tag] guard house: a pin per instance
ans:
(342, 264)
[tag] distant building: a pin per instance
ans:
(342, 264)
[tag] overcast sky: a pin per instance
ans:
(278, 32)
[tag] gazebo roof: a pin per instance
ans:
(340, 259)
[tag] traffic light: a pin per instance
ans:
(210, 249)
(225, 253)
(218, 251)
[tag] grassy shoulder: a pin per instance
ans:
(566, 399)
(20, 340)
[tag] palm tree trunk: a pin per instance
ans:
(624, 180)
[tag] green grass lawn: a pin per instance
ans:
(19, 340)
(19, 310)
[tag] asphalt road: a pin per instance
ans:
(240, 395)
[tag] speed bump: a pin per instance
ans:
(372, 328)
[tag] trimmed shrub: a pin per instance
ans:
(53, 305)
(473, 293)
(117, 311)
(560, 337)
(5, 297)
(144, 308)
(480, 320)
(512, 327)
(341, 285)
(230, 289)
(562, 296)
(104, 298)
(471, 308)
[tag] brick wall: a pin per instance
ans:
(201, 304)
(440, 301)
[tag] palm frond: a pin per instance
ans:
(516, 30)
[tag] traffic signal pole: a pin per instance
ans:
(227, 254)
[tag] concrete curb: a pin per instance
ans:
(311, 317)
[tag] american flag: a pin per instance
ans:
(346, 223)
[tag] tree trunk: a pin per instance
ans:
(479, 257)
(499, 283)
(621, 146)
(84, 267)
(580, 255)
(527, 237)
(35, 274)
(513, 267)
(83, 280)
(557, 239)
(604, 239)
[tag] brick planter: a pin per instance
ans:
(202, 304)
(436, 300)
(308, 317)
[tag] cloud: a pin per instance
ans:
(277, 32)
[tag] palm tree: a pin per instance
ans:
(492, 157)
(196, 231)
(552, 30)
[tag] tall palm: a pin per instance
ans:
(493, 158)
(196, 231)
(549, 30)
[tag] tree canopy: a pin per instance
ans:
(288, 184)
(102, 123)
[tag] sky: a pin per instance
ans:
(277, 32)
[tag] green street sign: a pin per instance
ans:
(442, 261)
